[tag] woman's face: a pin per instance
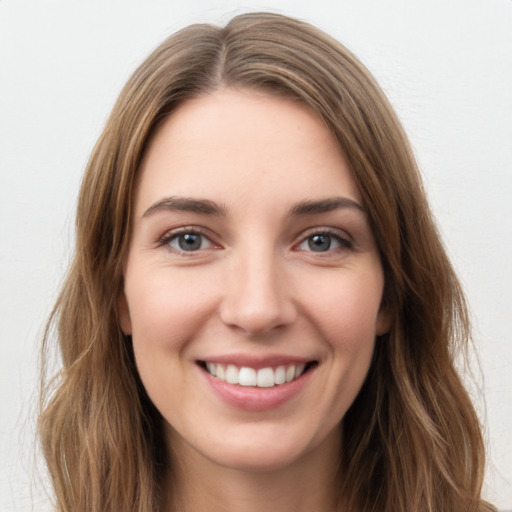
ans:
(252, 284)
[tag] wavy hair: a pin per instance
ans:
(411, 440)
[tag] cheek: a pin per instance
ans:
(165, 309)
(347, 313)
(166, 312)
(347, 307)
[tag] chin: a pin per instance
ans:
(260, 449)
(258, 460)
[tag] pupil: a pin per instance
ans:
(319, 243)
(189, 242)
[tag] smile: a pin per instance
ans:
(262, 378)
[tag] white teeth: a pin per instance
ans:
(280, 375)
(299, 370)
(290, 373)
(212, 368)
(263, 378)
(247, 376)
(232, 374)
(220, 373)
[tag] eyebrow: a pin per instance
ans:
(324, 205)
(186, 204)
(207, 207)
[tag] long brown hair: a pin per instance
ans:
(411, 440)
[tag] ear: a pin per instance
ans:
(124, 314)
(384, 321)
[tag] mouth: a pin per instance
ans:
(267, 377)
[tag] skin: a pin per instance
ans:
(255, 286)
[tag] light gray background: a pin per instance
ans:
(446, 66)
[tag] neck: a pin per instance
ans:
(199, 485)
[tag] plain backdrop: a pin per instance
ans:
(446, 66)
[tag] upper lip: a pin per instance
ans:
(256, 362)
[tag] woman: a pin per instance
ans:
(260, 311)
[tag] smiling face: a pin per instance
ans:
(252, 284)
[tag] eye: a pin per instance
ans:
(324, 242)
(187, 241)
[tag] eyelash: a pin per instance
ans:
(171, 236)
(344, 243)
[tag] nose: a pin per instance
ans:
(257, 297)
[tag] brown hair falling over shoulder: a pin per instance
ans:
(411, 440)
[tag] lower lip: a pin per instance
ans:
(252, 398)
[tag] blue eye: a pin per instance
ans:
(189, 242)
(320, 243)
(323, 242)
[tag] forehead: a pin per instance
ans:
(239, 144)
